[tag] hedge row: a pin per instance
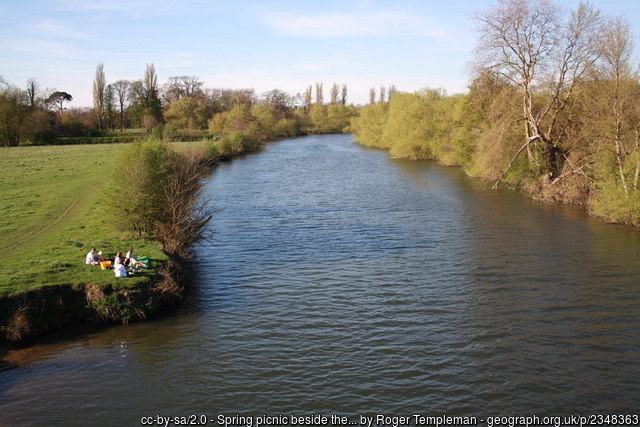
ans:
(113, 139)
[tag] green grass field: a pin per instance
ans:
(51, 216)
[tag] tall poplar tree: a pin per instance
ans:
(319, 94)
(343, 95)
(99, 83)
(335, 91)
(150, 82)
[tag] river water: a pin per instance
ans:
(340, 281)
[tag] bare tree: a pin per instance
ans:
(319, 94)
(383, 94)
(185, 211)
(526, 42)
(278, 99)
(307, 98)
(150, 83)
(99, 83)
(121, 89)
(392, 91)
(244, 96)
(33, 87)
(151, 79)
(618, 88)
(225, 99)
(335, 91)
(181, 87)
(372, 95)
(343, 95)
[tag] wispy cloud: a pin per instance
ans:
(359, 24)
(44, 48)
(137, 8)
(105, 5)
(55, 28)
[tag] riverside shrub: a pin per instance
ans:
(135, 196)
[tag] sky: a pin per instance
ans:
(264, 45)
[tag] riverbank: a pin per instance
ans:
(46, 284)
(333, 264)
(54, 214)
(486, 140)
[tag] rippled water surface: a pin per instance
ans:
(340, 281)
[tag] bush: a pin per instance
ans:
(135, 194)
(44, 137)
(369, 125)
(286, 127)
(155, 191)
(185, 212)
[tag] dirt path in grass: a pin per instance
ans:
(68, 212)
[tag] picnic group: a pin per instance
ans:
(122, 266)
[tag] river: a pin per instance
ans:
(340, 281)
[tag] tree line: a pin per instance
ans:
(553, 109)
(183, 104)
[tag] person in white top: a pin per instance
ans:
(118, 259)
(120, 270)
(92, 257)
(130, 260)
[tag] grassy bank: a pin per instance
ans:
(60, 201)
(51, 215)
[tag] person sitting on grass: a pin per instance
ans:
(131, 261)
(118, 258)
(119, 268)
(93, 257)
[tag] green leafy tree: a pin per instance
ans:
(109, 107)
(368, 127)
(218, 123)
(411, 141)
(187, 113)
(318, 117)
(239, 131)
(613, 129)
(58, 98)
(137, 102)
(338, 118)
(155, 192)
(267, 118)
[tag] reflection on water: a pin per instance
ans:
(342, 281)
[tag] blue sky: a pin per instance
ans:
(285, 44)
